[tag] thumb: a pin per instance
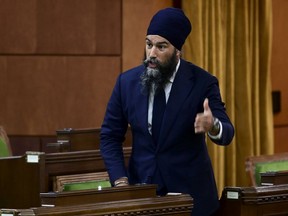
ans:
(206, 105)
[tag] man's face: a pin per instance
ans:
(159, 49)
(161, 60)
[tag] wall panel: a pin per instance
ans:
(279, 72)
(279, 58)
(18, 26)
(79, 27)
(60, 27)
(43, 94)
(59, 60)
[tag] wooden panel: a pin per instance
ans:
(279, 72)
(60, 27)
(66, 140)
(79, 197)
(254, 201)
(136, 18)
(279, 63)
(17, 26)
(180, 205)
(22, 143)
(274, 178)
(80, 139)
(280, 139)
(76, 26)
(42, 94)
(19, 182)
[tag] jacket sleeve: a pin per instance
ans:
(112, 135)
(218, 109)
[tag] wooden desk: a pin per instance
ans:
(80, 197)
(20, 180)
(254, 201)
(274, 178)
(178, 205)
(78, 139)
(67, 139)
(38, 143)
(81, 139)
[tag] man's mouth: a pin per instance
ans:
(152, 65)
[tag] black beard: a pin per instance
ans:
(159, 76)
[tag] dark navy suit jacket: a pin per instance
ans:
(179, 162)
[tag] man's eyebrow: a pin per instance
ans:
(158, 43)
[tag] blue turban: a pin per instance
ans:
(171, 24)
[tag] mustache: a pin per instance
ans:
(152, 61)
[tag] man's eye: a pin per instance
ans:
(149, 45)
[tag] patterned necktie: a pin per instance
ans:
(158, 112)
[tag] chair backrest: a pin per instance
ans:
(5, 149)
(83, 181)
(255, 165)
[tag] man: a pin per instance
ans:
(169, 151)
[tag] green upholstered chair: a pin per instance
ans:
(255, 165)
(4, 148)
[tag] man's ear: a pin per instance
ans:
(178, 53)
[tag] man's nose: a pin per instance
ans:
(153, 52)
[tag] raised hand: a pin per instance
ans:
(204, 121)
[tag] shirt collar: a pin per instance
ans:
(171, 80)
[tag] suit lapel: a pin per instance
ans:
(142, 106)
